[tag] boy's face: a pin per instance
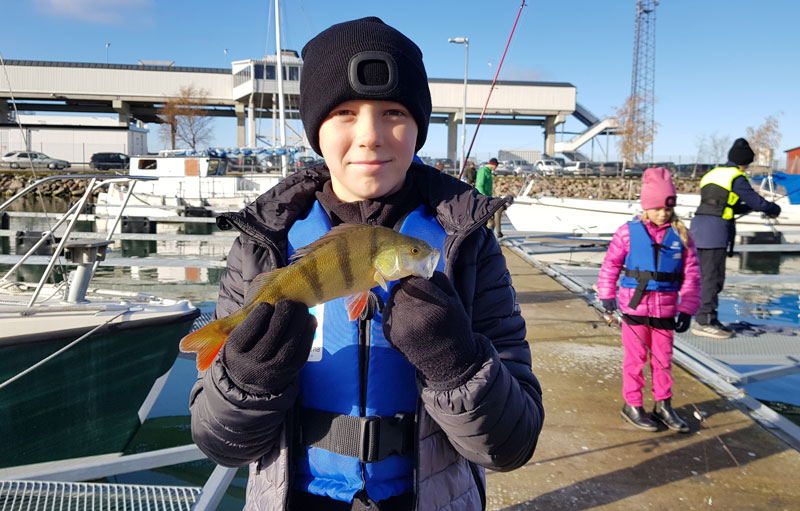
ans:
(368, 147)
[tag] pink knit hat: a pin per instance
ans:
(657, 189)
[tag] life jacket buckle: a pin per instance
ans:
(383, 436)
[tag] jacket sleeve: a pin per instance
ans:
(495, 418)
(751, 199)
(613, 263)
(690, 291)
(483, 182)
(231, 426)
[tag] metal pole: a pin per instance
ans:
(281, 106)
(464, 108)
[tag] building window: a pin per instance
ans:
(270, 72)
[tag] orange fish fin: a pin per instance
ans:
(329, 237)
(258, 284)
(355, 304)
(206, 342)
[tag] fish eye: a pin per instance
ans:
(414, 250)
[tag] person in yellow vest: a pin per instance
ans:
(725, 192)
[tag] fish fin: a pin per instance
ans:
(355, 304)
(258, 284)
(206, 342)
(329, 237)
(380, 280)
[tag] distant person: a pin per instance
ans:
(407, 405)
(470, 173)
(484, 183)
(440, 166)
(660, 278)
(724, 192)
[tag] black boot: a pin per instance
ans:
(664, 413)
(638, 417)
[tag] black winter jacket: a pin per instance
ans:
(491, 421)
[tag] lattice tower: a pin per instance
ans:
(644, 72)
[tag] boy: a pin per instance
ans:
(433, 382)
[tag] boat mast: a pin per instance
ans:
(282, 123)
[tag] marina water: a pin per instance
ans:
(168, 424)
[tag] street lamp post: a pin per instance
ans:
(465, 42)
(107, 45)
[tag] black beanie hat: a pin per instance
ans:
(740, 153)
(362, 59)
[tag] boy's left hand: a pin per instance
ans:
(426, 322)
(682, 322)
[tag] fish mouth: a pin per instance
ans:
(430, 264)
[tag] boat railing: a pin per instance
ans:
(96, 181)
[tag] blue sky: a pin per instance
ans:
(721, 65)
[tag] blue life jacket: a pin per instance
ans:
(652, 266)
(333, 379)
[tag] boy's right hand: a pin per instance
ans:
(264, 353)
(609, 304)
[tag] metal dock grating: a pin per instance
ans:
(46, 496)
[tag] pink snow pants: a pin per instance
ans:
(660, 342)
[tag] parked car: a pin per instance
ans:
(581, 168)
(522, 167)
(609, 168)
(633, 171)
(23, 160)
(105, 161)
(504, 168)
(548, 167)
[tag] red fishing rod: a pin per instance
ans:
(483, 112)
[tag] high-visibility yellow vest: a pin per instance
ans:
(716, 192)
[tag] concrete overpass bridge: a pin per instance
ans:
(249, 90)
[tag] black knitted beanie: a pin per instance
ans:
(740, 152)
(362, 59)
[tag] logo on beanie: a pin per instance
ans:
(373, 73)
(670, 201)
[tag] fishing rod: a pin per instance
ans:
(483, 112)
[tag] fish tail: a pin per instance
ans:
(207, 341)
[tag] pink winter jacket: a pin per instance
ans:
(655, 304)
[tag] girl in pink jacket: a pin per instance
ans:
(660, 277)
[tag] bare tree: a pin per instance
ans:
(719, 146)
(183, 118)
(702, 148)
(637, 135)
(765, 139)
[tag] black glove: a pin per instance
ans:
(264, 353)
(609, 304)
(682, 322)
(426, 322)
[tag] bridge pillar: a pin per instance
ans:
(241, 140)
(5, 112)
(452, 137)
(550, 123)
(123, 108)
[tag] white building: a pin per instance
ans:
(73, 138)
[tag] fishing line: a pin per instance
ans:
(483, 112)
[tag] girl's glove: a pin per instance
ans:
(682, 322)
(609, 304)
(426, 322)
(264, 353)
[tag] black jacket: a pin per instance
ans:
(493, 420)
